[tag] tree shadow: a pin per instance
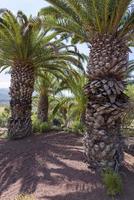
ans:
(83, 195)
(45, 162)
(128, 183)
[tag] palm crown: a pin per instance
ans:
(86, 18)
(21, 39)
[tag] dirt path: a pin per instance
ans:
(51, 167)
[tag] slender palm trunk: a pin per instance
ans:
(43, 107)
(107, 102)
(21, 89)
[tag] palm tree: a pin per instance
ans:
(25, 48)
(69, 102)
(77, 99)
(19, 41)
(42, 86)
(45, 86)
(107, 27)
(48, 81)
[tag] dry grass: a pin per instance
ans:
(2, 109)
(25, 197)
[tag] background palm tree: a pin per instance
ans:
(73, 82)
(70, 100)
(67, 58)
(107, 26)
(43, 86)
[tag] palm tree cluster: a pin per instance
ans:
(107, 26)
(28, 50)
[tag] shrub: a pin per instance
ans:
(24, 197)
(128, 121)
(78, 127)
(44, 127)
(112, 182)
(4, 117)
(67, 130)
(38, 126)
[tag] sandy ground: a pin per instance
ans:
(51, 167)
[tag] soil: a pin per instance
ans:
(51, 167)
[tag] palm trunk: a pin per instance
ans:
(43, 107)
(107, 102)
(21, 89)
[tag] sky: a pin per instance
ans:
(29, 7)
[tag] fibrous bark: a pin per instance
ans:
(21, 89)
(107, 102)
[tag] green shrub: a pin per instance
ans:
(78, 127)
(112, 182)
(67, 130)
(36, 126)
(4, 117)
(56, 128)
(24, 197)
(44, 127)
(128, 120)
(40, 127)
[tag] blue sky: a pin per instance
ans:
(28, 7)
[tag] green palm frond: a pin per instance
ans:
(76, 86)
(84, 19)
(119, 9)
(128, 24)
(130, 67)
(22, 40)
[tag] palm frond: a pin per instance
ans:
(84, 19)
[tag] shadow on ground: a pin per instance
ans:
(51, 167)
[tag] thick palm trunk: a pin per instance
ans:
(21, 89)
(43, 107)
(107, 102)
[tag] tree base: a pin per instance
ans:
(19, 128)
(104, 154)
